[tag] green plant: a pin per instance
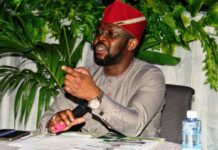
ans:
(24, 26)
(174, 23)
(26, 23)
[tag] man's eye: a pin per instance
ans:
(113, 35)
(100, 32)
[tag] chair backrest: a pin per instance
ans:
(178, 101)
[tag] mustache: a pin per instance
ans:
(99, 43)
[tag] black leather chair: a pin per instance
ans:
(178, 101)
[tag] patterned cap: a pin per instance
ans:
(126, 17)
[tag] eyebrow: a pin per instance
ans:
(113, 28)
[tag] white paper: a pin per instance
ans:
(77, 141)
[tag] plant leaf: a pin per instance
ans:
(18, 97)
(194, 6)
(7, 46)
(212, 16)
(47, 99)
(30, 99)
(41, 102)
(158, 58)
(76, 56)
(5, 84)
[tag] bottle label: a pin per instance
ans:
(191, 135)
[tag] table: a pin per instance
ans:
(168, 146)
(78, 141)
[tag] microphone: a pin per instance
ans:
(79, 111)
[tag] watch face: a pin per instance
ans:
(94, 104)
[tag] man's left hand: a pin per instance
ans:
(79, 83)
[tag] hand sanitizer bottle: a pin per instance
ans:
(191, 132)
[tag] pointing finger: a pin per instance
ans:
(82, 70)
(70, 71)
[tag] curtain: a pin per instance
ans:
(189, 73)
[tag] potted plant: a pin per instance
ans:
(25, 24)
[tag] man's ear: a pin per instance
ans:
(132, 44)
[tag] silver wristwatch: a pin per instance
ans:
(95, 103)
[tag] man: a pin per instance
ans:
(125, 95)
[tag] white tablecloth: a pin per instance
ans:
(75, 141)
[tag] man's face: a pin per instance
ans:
(110, 44)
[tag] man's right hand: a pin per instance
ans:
(64, 118)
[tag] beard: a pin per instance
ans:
(109, 59)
